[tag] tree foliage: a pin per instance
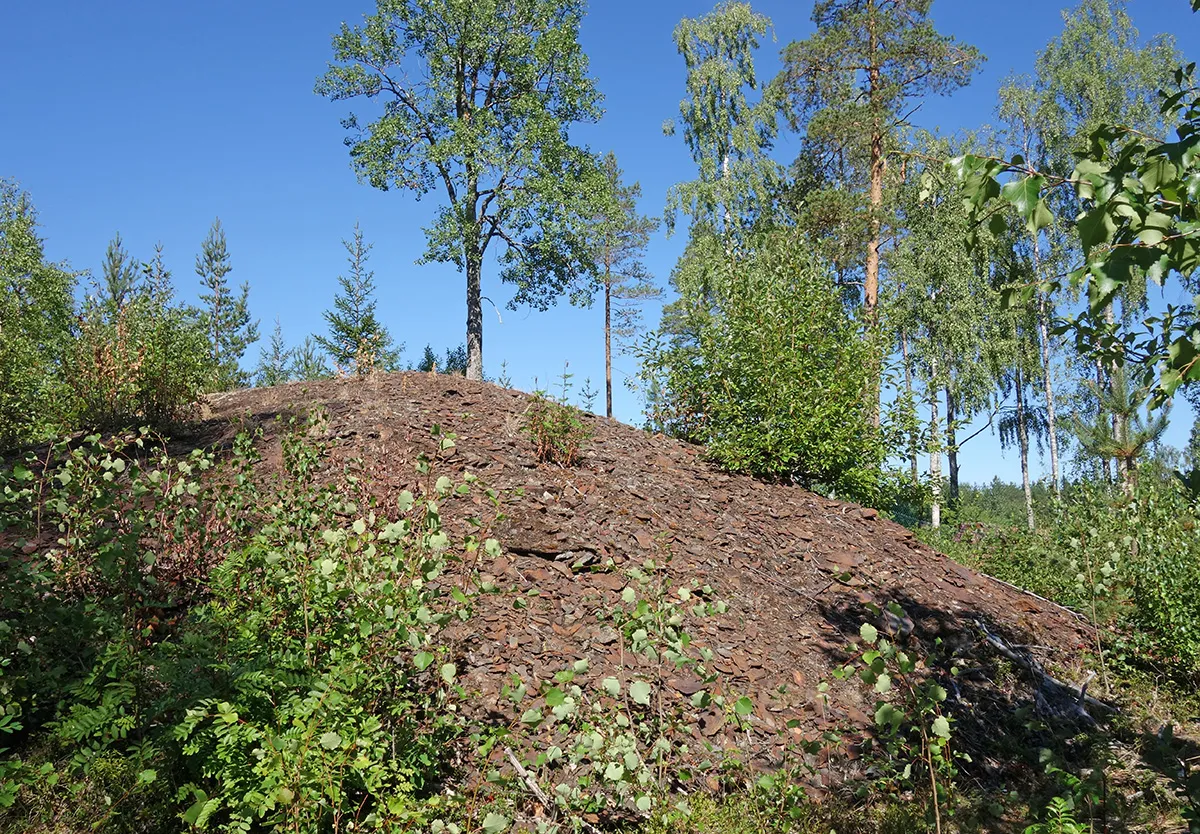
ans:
(274, 360)
(226, 316)
(771, 374)
(142, 360)
(479, 98)
(849, 86)
(36, 310)
(357, 342)
(118, 276)
(309, 362)
(453, 362)
(1138, 219)
(618, 237)
(729, 119)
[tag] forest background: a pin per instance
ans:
(136, 129)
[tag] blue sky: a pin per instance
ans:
(152, 118)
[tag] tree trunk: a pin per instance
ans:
(1118, 420)
(935, 455)
(474, 317)
(608, 346)
(913, 442)
(952, 449)
(877, 163)
(1048, 383)
(1106, 461)
(1125, 464)
(1023, 439)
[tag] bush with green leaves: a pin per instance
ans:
(623, 744)
(1127, 559)
(556, 428)
(146, 363)
(912, 743)
(760, 361)
(198, 648)
(36, 309)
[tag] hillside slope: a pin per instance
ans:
(795, 569)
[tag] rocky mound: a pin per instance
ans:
(795, 569)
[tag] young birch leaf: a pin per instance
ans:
(639, 691)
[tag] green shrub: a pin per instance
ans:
(760, 361)
(36, 307)
(145, 363)
(301, 684)
(556, 428)
(1127, 560)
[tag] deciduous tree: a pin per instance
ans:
(942, 302)
(479, 99)
(729, 120)
(36, 308)
(1096, 71)
(771, 376)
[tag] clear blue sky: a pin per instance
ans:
(152, 118)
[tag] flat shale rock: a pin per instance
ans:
(795, 569)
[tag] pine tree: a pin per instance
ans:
(852, 85)
(157, 279)
(620, 237)
(357, 342)
(119, 277)
(274, 361)
(226, 316)
(1127, 438)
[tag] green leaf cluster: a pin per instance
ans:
(302, 681)
(764, 365)
(36, 310)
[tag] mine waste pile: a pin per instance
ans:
(771, 584)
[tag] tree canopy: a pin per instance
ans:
(479, 100)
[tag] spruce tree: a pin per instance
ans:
(226, 316)
(308, 362)
(274, 361)
(429, 360)
(455, 362)
(357, 342)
